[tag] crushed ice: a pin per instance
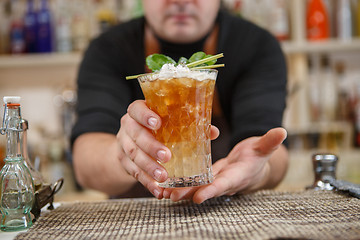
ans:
(170, 71)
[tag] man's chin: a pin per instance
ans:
(183, 37)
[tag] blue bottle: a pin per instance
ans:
(30, 25)
(44, 32)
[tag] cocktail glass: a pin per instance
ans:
(184, 104)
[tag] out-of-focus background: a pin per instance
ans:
(323, 105)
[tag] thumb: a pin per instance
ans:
(271, 140)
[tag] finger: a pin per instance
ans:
(215, 132)
(183, 193)
(143, 115)
(271, 140)
(220, 186)
(143, 161)
(133, 170)
(167, 192)
(145, 140)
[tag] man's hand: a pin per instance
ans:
(138, 150)
(254, 163)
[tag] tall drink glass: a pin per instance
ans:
(183, 100)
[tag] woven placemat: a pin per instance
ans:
(262, 215)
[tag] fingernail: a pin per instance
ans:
(161, 155)
(157, 174)
(152, 122)
(156, 193)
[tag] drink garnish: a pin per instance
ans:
(198, 60)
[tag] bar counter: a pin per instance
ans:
(266, 214)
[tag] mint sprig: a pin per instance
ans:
(198, 60)
(156, 61)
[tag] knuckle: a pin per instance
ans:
(123, 119)
(136, 174)
(120, 155)
(132, 152)
(131, 106)
(136, 136)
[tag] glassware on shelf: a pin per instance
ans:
(16, 31)
(279, 19)
(317, 21)
(16, 184)
(30, 27)
(344, 20)
(45, 28)
(80, 28)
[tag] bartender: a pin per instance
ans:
(113, 148)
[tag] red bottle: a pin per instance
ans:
(317, 21)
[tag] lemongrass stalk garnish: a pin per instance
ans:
(134, 76)
(204, 60)
(208, 67)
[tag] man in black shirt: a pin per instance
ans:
(114, 156)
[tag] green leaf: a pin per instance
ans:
(197, 56)
(156, 61)
(183, 61)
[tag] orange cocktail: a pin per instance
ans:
(184, 103)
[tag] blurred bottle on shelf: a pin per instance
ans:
(344, 107)
(257, 12)
(328, 90)
(16, 31)
(5, 13)
(80, 26)
(105, 19)
(63, 27)
(357, 14)
(272, 15)
(30, 27)
(331, 10)
(344, 20)
(45, 28)
(314, 87)
(317, 21)
(278, 23)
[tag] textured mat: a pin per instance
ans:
(263, 215)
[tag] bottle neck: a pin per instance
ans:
(30, 5)
(44, 5)
(14, 133)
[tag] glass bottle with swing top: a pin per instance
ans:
(16, 183)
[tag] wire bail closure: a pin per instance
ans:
(5, 124)
(3, 128)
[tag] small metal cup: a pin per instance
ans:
(324, 166)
